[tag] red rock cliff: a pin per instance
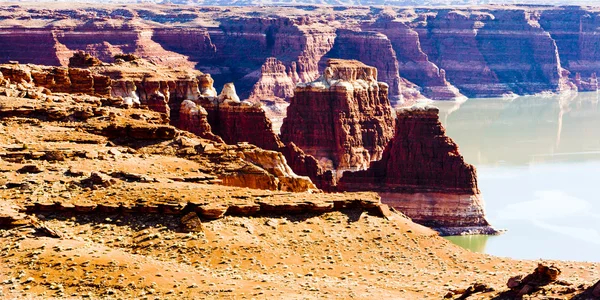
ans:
(371, 48)
(422, 174)
(413, 63)
(480, 51)
(343, 119)
(242, 121)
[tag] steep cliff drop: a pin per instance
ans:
(413, 63)
(243, 121)
(343, 119)
(375, 49)
(422, 174)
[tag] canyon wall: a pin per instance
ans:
(371, 48)
(443, 54)
(422, 174)
(343, 119)
(240, 164)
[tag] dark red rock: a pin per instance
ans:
(371, 48)
(413, 63)
(306, 165)
(422, 174)
(81, 59)
(343, 119)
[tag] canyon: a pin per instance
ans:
(124, 172)
(102, 197)
(435, 53)
(341, 122)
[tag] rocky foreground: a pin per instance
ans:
(103, 198)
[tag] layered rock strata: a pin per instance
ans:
(422, 174)
(413, 63)
(343, 119)
(276, 82)
(241, 165)
(239, 121)
(371, 48)
(482, 51)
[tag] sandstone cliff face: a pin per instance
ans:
(194, 118)
(18, 46)
(475, 48)
(447, 53)
(188, 100)
(297, 43)
(276, 164)
(343, 119)
(242, 165)
(413, 63)
(574, 30)
(104, 41)
(276, 82)
(371, 48)
(57, 79)
(422, 174)
(239, 121)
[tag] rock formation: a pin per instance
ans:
(241, 165)
(343, 119)
(371, 48)
(422, 174)
(541, 276)
(276, 82)
(239, 121)
(194, 118)
(445, 52)
(413, 63)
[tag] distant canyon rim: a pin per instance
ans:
(437, 53)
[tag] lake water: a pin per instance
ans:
(538, 161)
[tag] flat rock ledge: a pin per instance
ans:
(213, 210)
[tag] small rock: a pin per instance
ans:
(91, 154)
(99, 179)
(191, 223)
(31, 169)
(114, 152)
(272, 223)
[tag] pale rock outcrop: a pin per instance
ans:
(275, 163)
(228, 94)
(125, 89)
(206, 86)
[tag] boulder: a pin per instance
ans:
(191, 223)
(541, 276)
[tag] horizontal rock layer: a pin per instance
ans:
(447, 53)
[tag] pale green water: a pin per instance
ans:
(538, 161)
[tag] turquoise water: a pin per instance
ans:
(538, 161)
